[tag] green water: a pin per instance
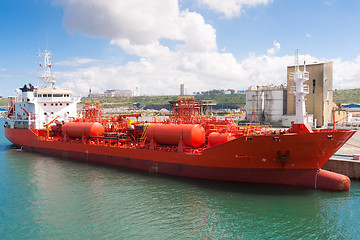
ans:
(44, 197)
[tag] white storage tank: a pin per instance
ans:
(254, 103)
(269, 102)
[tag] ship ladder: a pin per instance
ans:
(143, 136)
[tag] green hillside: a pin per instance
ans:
(347, 96)
(226, 100)
(3, 101)
(237, 100)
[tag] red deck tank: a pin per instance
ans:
(79, 129)
(216, 138)
(191, 135)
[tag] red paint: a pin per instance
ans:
(239, 160)
(216, 138)
(192, 135)
(80, 129)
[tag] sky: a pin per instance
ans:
(153, 46)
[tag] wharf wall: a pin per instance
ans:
(348, 167)
(346, 161)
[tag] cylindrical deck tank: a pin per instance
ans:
(191, 135)
(216, 138)
(79, 129)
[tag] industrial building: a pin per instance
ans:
(319, 100)
(276, 105)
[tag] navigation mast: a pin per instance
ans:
(47, 77)
(299, 90)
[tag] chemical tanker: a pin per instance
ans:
(189, 144)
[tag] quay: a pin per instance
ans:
(346, 161)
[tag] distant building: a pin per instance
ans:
(217, 92)
(352, 107)
(117, 93)
(112, 93)
(182, 89)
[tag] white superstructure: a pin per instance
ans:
(300, 90)
(37, 108)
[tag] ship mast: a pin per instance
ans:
(299, 90)
(47, 77)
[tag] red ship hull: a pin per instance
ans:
(254, 159)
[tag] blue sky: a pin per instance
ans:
(154, 46)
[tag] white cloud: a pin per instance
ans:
(231, 8)
(76, 61)
(346, 74)
(307, 35)
(328, 3)
(138, 23)
(138, 28)
(275, 49)
(137, 20)
(199, 71)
